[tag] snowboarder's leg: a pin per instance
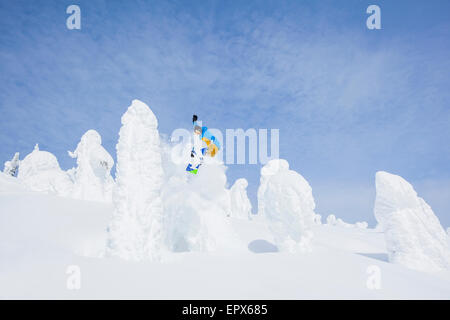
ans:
(194, 164)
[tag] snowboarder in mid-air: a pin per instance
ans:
(201, 135)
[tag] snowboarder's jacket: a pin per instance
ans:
(210, 140)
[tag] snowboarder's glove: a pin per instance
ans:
(192, 154)
(194, 118)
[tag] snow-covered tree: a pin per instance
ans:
(40, 171)
(318, 219)
(12, 165)
(240, 203)
(414, 235)
(266, 172)
(287, 203)
(196, 207)
(135, 232)
(92, 176)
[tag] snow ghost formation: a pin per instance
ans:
(414, 235)
(92, 177)
(240, 203)
(196, 207)
(40, 171)
(135, 232)
(286, 201)
(12, 165)
(266, 172)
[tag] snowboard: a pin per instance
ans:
(192, 169)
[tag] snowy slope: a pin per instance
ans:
(41, 235)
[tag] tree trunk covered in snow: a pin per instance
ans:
(135, 232)
(40, 171)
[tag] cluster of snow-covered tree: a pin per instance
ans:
(159, 208)
(90, 180)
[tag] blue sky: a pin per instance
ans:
(348, 101)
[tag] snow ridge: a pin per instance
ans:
(240, 203)
(92, 177)
(40, 171)
(287, 203)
